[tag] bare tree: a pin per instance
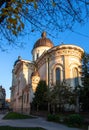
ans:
(53, 15)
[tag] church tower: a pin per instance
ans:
(43, 44)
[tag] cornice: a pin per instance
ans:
(62, 50)
(67, 46)
(20, 64)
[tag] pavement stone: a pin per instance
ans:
(34, 122)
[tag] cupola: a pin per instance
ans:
(41, 45)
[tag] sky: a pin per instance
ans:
(79, 37)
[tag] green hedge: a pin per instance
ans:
(51, 117)
(74, 120)
(56, 118)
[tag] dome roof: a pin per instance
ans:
(35, 73)
(43, 41)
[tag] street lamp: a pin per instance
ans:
(77, 100)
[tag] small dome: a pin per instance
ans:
(43, 41)
(35, 73)
(19, 59)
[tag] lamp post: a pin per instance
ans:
(48, 72)
(22, 102)
(77, 100)
(48, 84)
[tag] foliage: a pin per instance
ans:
(14, 115)
(71, 120)
(75, 120)
(56, 118)
(19, 128)
(51, 117)
(84, 92)
(54, 15)
(59, 95)
(40, 94)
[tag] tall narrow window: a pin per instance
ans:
(57, 75)
(18, 86)
(27, 97)
(37, 55)
(75, 73)
(24, 98)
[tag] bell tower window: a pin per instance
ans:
(37, 55)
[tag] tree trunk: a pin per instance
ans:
(48, 107)
(53, 109)
(37, 107)
(77, 104)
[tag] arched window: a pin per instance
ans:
(37, 55)
(75, 75)
(57, 75)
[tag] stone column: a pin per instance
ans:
(66, 69)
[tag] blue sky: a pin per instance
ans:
(79, 37)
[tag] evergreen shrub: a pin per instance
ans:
(74, 120)
(52, 117)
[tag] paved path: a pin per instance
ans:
(34, 122)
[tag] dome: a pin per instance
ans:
(35, 73)
(43, 41)
(19, 59)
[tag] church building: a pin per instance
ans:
(54, 64)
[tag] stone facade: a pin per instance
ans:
(50, 63)
(2, 97)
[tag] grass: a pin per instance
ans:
(19, 128)
(14, 115)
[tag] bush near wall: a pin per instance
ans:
(72, 120)
(75, 120)
(56, 118)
